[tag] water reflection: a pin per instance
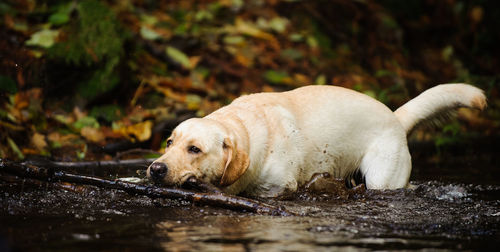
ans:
(257, 233)
(432, 216)
(436, 215)
(238, 233)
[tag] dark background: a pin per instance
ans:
(87, 79)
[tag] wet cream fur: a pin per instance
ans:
(267, 144)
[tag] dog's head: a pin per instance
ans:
(200, 148)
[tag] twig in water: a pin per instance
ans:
(192, 182)
(129, 163)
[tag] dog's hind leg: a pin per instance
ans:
(387, 163)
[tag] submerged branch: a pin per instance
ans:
(212, 199)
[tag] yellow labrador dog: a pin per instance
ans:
(267, 144)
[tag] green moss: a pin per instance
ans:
(92, 39)
(109, 112)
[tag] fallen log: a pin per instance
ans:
(210, 198)
(130, 163)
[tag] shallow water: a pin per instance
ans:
(446, 211)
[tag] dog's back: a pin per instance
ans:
(337, 130)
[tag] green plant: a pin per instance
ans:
(94, 41)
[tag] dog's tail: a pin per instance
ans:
(438, 102)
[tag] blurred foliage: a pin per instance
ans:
(77, 74)
(93, 39)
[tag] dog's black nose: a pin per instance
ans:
(158, 170)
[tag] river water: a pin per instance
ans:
(455, 206)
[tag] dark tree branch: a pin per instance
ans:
(192, 182)
(213, 199)
(130, 163)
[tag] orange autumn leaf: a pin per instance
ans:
(92, 134)
(38, 140)
(140, 131)
(58, 139)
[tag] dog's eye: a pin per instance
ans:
(169, 142)
(193, 149)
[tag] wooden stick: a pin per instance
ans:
(212, 199)
(130, 163)
(192, 182)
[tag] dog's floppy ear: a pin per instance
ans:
(237, 162)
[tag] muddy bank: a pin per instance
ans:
(435, 215)
(456, 205)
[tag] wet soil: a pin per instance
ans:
(455, 206)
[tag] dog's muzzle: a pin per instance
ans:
(158, 171)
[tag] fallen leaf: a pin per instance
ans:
(277, 77)
(278, 24)
(31, 151)
(193, 61)
(178, 56)
(320, 80)
(149, 19)
(64, 118)
(86, 121)
(56, 139)
(92, 134)
(301, 79)
(38, 140)
(62, 16)
(234, 40)
(193, 101)
(44, 38)
(59, 18)
(296, 37)
(140, 131)
(250, 29)
(312, 41)
(149, 34)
